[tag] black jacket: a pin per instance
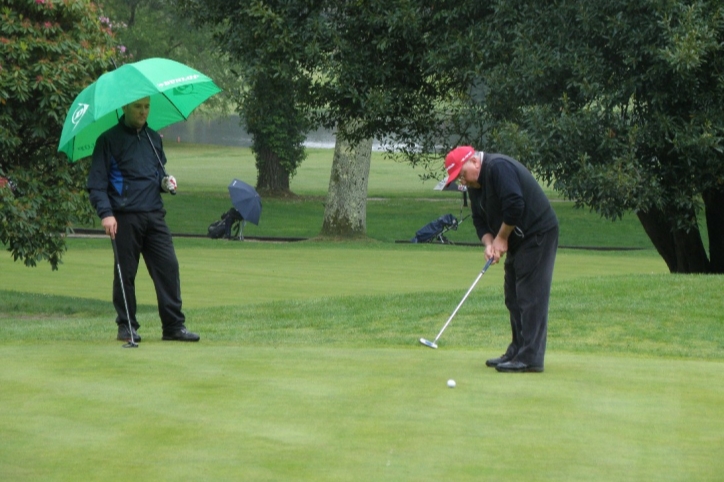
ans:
(509, 194)
(125, 175)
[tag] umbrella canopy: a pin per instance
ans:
(246, 200)
(174, 88)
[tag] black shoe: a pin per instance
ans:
(517, 367)
(180, 335)
(494, 362)
(123, 334)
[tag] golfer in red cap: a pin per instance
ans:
(512, 215)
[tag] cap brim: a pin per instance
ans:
(453, 175)
(440, 185)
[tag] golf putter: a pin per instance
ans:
(433, 344)
(131, 343)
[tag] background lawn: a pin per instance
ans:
(399, 202)
(309, 367)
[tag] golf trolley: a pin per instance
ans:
(434, 232)
(228, 227)
(245, 206)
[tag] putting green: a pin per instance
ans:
(167, 411)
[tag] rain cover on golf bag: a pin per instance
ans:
(230, 221)
(433, 231)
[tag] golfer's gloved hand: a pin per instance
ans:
(168, 184)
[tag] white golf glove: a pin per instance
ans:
(168, 184)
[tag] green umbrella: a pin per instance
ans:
(174, 88)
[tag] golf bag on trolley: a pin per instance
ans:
(228, 227)
(435, 231)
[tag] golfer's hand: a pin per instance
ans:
(110, 226)
(490, 254)
(496, 250)
(168, 184)
(500, 247)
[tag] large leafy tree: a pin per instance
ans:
(621, 105)
(386, 77)
(392, 68)
(274, 43)
(49, 51)
(361, 68)
(618, 104)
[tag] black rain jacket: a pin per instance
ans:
(125, 174)
(509, 194)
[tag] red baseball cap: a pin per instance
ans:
(454, 161)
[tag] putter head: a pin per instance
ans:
(131, 344)
(428, 343)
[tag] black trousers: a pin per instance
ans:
(147, 234)
(528, 277)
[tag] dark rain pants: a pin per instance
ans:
(528, 277)
(147, 234)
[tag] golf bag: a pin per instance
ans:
(228, 227)
(435, 231)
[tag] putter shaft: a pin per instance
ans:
(131, 343)
(480, 275)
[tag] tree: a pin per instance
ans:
(278, 127)
(49, 51)
(345, 212)
(361, 68)
(386, 78)
(621, 106)
(273, 43)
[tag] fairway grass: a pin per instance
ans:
(93, 411)
(217, 273)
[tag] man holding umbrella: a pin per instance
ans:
(125, 183)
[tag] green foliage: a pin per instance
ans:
(143, 27)
(274, 44)
(49, 52)
(151, 28)
(373, 65)
(620, 104)
(277, 126)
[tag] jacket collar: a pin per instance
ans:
(130, 130)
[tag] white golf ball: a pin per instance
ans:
(451, 383)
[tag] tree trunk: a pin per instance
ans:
(272, 178)
(659, 232)
(345, 213)
(690, 253)
(714, 206)
(682, 251)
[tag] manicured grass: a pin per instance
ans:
(400, 203)
(85, 411)
(239, 273)
(378, 307)
(203, 168)
(309, 367)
